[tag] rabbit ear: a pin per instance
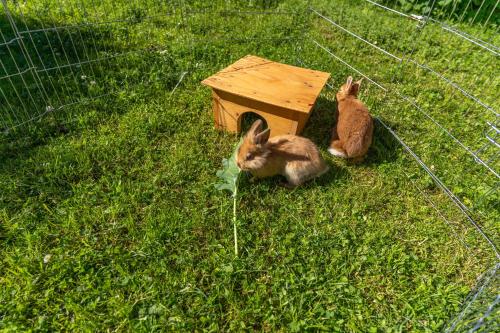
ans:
(256, 127)
(355, 87)
(349, 81)
(262, 137)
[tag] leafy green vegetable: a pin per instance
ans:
(229, 176)
(229, 173)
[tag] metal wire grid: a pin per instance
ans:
(37, 74)
(46, 45)
(480, 309)
(488, 139)
(54, 66)
(484, 151)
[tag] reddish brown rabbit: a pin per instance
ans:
(295, 157)
(352, 135)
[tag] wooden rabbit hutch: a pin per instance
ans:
(283, 95)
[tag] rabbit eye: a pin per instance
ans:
(249, 157)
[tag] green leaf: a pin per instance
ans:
(229, 173)
(224, 186)
(229, 181)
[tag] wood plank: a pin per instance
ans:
(274, 83)
(231, 108)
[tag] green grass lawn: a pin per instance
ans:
(110, 221)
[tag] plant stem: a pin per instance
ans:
(234, 221)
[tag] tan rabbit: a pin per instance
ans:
(352, 135)
(295, 157)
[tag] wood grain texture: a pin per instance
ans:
(281, 94)
(228, 111)
(271, 82)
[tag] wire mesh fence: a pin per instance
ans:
(57, 56)
(469, 93)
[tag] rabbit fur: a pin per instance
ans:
(353, 133)
(294, 157)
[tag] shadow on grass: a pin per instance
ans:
(384, 149)
(320, 124)
(58, 73)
